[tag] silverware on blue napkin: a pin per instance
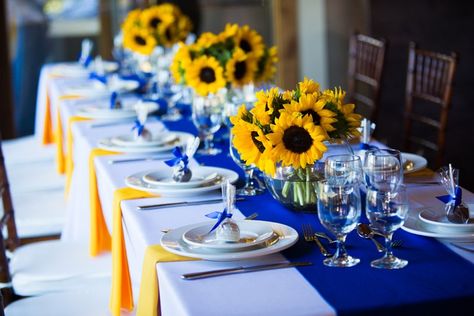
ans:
(243, 269)
(181, 203)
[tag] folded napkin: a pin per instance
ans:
(122, 296)
(149, 297)
(100, 237)
(69, 145)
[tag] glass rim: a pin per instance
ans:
(382, 150)
(353, 157)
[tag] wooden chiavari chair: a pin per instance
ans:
(429, 82)
(366, 60)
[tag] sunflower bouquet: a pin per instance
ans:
(232, 58)
(286, 133)
(160, 25)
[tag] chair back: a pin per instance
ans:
(427, 100)
(366, 60)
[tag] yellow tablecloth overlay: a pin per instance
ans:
(149, 298)
(99, 235)
(69, 145)
(122, 296)
(48, 135)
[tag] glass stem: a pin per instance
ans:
(208, 141)
(248, 177)
(388, 245)
(341, 247)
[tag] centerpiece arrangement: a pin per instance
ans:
(286, 133)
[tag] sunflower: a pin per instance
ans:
(267, 65)
(206, 40)
(230, 31)
(184, 26)
(253, 146)
(155, 16)
(167, 34)
(297, 141)
(352, 119)
(242, 115)
(308, 86)
(132, 19)
(205, 75)
(181, 61)
(139, 40)
(308, 105)
(263, 109)
(250, 42)
(240, 68)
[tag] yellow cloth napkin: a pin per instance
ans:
(58, 136)
(149, 298)
(99, 235)
(69, 145)
(122, 296)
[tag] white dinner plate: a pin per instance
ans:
(130, 140)
(252, 233)
(436, 217)
(77, 70)
(180, 140)
(100, 112)
(164, 178)
(414, 225)
(173, 242)
(419, 162)
(135, 181)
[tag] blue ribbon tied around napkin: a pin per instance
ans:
(179, 157)
(113, 99)
(96, 76)
(139, 127)
(449, 199)
(85, 62)
(220, 216)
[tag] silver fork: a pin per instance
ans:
(310, 236)
(397, 243)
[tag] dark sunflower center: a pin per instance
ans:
(140, 40)
(207, 75)
(315, 116)
(297, 139)
(257, 143)
(154, 22)
(168, 34)
(245, 45)
(240, 70)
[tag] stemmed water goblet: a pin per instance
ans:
(339, 209)
(343, 169)
(383, 169)
(250, 188)
(207, 117)
(386, 211)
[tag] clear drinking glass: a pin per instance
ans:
(207, 117)
(383, 169)
(250, 188)
(343, 169)
(339, 209)
(386, 211)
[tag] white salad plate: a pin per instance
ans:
(419, 162)
(129, 140)
(164, 178)
(437, 218)
(136, 181)
(180, 140)
(174, 243)
(252, 234)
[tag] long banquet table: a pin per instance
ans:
(438, 279)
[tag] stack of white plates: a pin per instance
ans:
(432, 222)
(159, 143)
(160, 182)
(257, 238)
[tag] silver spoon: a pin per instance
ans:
(365, 231)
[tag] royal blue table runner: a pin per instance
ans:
(436, 281)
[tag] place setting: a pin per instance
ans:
(226, 239)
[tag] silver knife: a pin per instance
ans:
(115, 161)
(181, 203)
(243, 269)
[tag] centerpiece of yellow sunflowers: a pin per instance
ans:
(286, 133)
(161, 25)
(233, 58)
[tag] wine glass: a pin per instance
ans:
(207, 117)
(383, 168)
(339, 209)
(250, 188)
(343, 169)
(386, 211)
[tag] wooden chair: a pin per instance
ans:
(429, 82)
(47, 266)
(366, 60)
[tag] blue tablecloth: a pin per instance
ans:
(435, 282)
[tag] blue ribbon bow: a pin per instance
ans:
(113, 100)
(179, 156)
(139, 127)
(220, 216)
(96, 76)
(448, 198)
(85, 61)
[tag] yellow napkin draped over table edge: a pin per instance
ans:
(69, 147)
(149, 296)
(122, 296)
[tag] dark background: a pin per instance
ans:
(442, 26)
